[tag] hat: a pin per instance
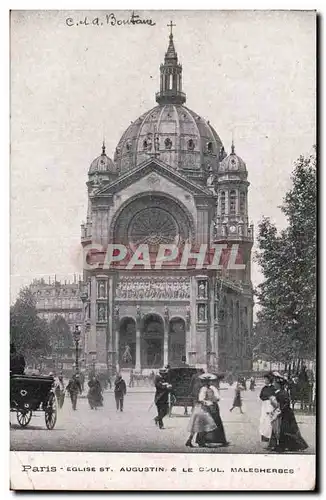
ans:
(207, 376)
(162, 370)
(269, 375)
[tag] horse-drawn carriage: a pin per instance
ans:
(185, 386)
(30, 393)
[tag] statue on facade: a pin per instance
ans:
(126, 356)
(202, 291)
(101, 312)
(201, 313)
(101, 293)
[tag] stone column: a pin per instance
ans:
(92, 347)
(166, 337)
(117, 338)
(138, 339)
(212, 359)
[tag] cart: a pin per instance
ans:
(181, 393)
(28, 394)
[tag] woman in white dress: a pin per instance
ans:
(265, 424)
(205, 420)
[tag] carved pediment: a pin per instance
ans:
(153, 169)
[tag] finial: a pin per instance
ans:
(171, 26)
(232, 145)
(103, 147)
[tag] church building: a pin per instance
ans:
(170, 183)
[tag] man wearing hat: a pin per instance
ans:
(161, 396)
(120, 390)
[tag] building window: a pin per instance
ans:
(210, 147)
(242, 202)
(191, 145)
(170, 82)
(168, 143)
(223, 203)
(233, 196)
(101, 313)
(101, 289)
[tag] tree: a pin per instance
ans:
(28, 332)
(60, 335)
(286, 323)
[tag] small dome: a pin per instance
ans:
(232, 163)
(102, 164)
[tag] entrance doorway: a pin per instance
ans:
(177, 341)
(127, 343)
(152, 342)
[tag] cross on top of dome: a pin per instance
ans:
(171, 26)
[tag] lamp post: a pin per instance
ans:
(77, 339)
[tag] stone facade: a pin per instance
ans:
(171, 183)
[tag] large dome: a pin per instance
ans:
(171, 131)
(176, 135)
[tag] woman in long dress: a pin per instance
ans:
(208, 397)
(94, 396)
(201, 421)
(285, 431)
(265, 425)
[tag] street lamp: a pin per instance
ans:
(77, 339)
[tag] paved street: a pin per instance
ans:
(134, 430)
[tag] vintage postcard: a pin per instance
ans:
(163, 309)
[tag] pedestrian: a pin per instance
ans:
(265, 425)
(252, 384)
(74, 388)
(161, 396)
(209, 397)
(60, 391)
(195, 386)
(131, 379)
(237, 401)
(94, 396)
(120, 390)
(285, 431)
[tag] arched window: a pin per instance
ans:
(210, 147)
(191, 145)
(170, 82)
(242, 202)
(233, 196)
(223, 203)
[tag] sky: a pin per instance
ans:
(250, 73)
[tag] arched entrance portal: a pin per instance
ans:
(177, 341)
(127, 343)
(152, 341)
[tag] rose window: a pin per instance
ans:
(153, 226)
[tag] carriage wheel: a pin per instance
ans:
(24, 417)
(51, 412)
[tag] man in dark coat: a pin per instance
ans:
(161, 396)
(120, 390)
(17, 361)
(74, 387)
